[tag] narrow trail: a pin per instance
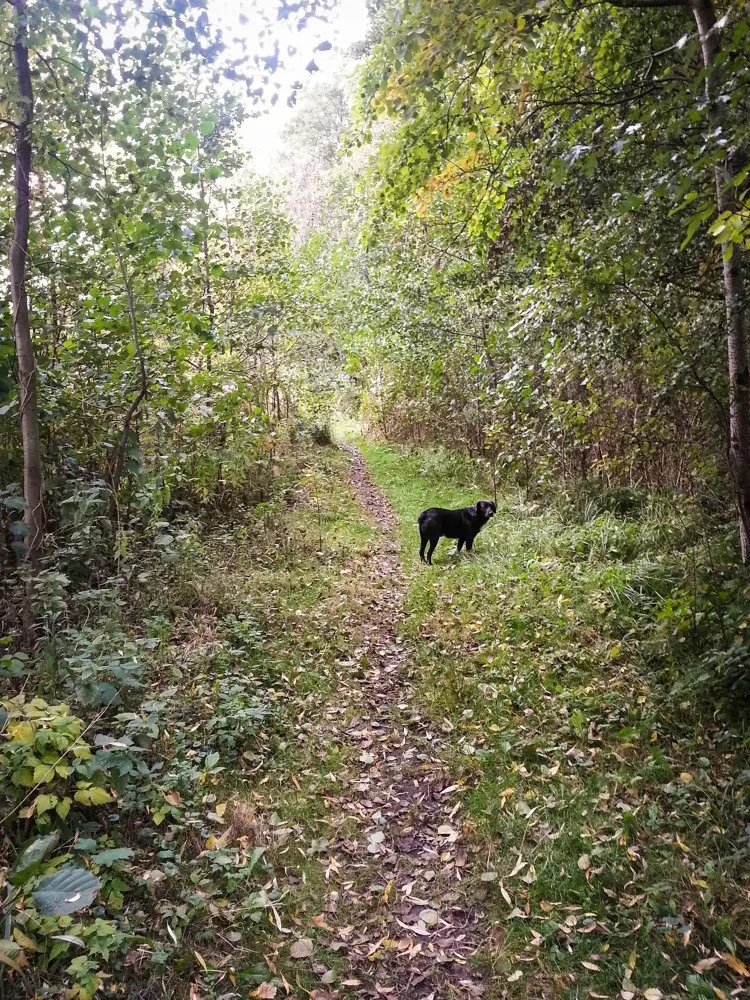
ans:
(396, 896)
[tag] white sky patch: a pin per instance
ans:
(347, 24)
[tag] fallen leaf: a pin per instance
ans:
(303, 948)
(706, 963)
(584, 862)
(221, 808)
(173, 798)
(430, 917)
(734, 963)
(652, 994)
(266, 990)
(592, 966)
(530, 876)
(686, 777)
(519, 866)
(515, 976)
(488, 876)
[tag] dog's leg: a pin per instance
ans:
(433, 543)
(469, 543)
(459, 545)
(422, 546)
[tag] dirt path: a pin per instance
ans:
(396, 898)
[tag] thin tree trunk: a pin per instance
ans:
(33, 482)
(739, 375)
(119, 462)
(208, 299)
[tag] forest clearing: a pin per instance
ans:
(280, 278)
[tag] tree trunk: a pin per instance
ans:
(118, 464)
(33, 483)
(739, 376)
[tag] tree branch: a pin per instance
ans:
(648, 3)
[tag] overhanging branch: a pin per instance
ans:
(648, 3)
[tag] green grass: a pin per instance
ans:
(610, 805)
(551, 655)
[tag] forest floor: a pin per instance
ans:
(488, 790)
(351, 775)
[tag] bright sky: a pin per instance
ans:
(347, 24)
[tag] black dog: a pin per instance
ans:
(464, 524)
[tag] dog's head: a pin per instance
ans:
(486, 509)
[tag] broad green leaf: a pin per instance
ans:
(66, 891)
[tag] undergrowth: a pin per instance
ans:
(590, 663)
(141, 744)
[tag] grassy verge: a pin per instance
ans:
(609, 798)
(202, 796)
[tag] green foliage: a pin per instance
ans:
(521, 293)
(46, 767)
(520, 262)
(606, 780)
(154, 802)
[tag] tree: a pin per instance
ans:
(552, 151)
(97, 68)
(728, 172)
(33, 481)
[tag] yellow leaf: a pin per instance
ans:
(44, 803)
(201, 960)
(83, 795)
(221, 808)
(11, 955)
(24, 940)
(210, 842)
(23, 732)
(99, 796)
(63, 807)
(734, 963)
(7, 960)
(686, 777)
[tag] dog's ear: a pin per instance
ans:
(493, 507)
